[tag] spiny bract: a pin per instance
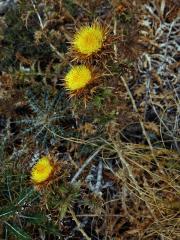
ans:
(89, 39)
(78, 77)
(42, 170)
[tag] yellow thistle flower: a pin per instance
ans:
(78, 77)
(42, 170)
(89, 39)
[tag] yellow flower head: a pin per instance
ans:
(89, 39)
(42, 170)
(78, 77)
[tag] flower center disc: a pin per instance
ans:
(89, 40)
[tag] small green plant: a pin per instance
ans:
(61, 197)
(16, 196)
(49, 116)
(20, 205)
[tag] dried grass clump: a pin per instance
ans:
(159, 68)
(146, 203)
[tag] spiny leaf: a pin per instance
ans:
(7, 211)
(24, 195)
(35, 218)
(63, 208)
(18, 232)
(50, 228)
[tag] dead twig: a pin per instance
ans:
(79, 224)
(85, 164)
(99, 177)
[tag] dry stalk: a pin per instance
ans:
(115, 33)
(88, 160)
(79, 224)
(99, 177)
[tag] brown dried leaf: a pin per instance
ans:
(140, 90)
(151, 126)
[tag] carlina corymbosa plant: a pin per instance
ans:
(88, 40)
(78, 78)
(43, 171)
